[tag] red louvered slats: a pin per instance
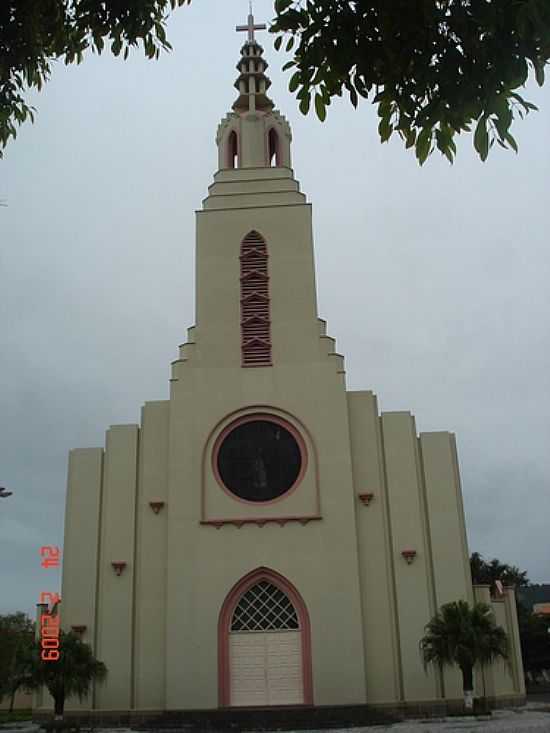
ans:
(255, 323)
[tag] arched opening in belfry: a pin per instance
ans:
(232, 150)
(274, 148)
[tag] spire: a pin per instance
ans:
(252, 83)
(254, 134)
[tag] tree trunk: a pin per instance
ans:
(59, 704)
(468, 688)
(12, 700)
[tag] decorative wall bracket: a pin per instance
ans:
(409, 555)
(156, 506)
(366, 498)
(79, 628)
(118, 567)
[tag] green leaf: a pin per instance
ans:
(423, 144)
(304, 103)
(481, 138)
(510, 140)
(411, 138)
(385, 129)
(290, 43)
(161, 34)
(320, 107)
(325, 95)
(360, 86)
(319, 74)
(504, 115)
(384, 109)
(449, 155)
(294, 81)
(289, 65)
(278, 42)
(282, 5)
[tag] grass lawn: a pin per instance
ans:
(6, 717)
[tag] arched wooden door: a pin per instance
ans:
(265, 657)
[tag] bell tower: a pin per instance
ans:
(256, 301)
(254, 135)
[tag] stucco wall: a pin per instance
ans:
(415, 602)
(502, 679)
(451, 578)
(150, 559)
(80, 548)
(115, 608)
(377, 580)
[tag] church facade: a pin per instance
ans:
(265, 537)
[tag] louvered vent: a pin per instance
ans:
(255, 323)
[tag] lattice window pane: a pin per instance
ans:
(264, 607)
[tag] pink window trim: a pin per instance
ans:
(255, 305)
(273, 411)
(224, 623)
(269, 418)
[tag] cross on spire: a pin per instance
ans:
(251, 27)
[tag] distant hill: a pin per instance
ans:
(536, 593)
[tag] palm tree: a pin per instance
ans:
(464, 635)
(72, 674)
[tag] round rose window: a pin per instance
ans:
(259, 460)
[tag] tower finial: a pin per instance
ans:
(250, 26)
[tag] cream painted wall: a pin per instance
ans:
(502, 679)
(512, 629)
(381, 646)
(449, 550)
(503, 673)
(114, 606)
(415, 604)
(150, 558)
(80, 548)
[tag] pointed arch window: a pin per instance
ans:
(232, 150)
(255, 310)
(264, 607)
(274, 148)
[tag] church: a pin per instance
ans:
(265, 537)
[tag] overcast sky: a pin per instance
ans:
(434, 281)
